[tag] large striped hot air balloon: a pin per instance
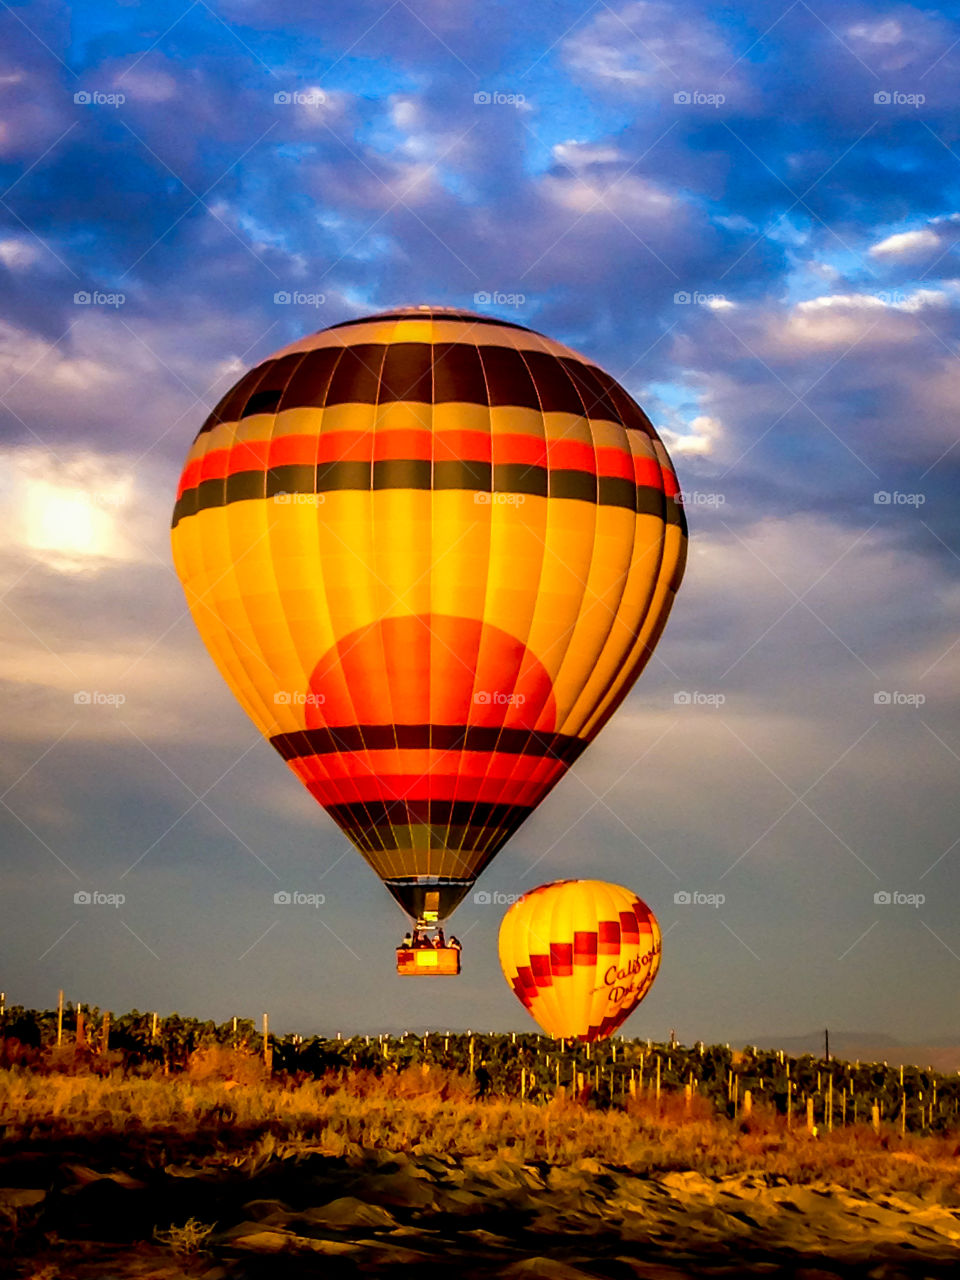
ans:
(580, 955)
(430, 553)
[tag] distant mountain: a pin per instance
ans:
(868, 1046)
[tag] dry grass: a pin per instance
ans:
(224, 1109)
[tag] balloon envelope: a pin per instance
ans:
(430, 552)
(580, 955)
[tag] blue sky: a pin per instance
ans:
(751, 216)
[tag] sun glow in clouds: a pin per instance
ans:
(69, 513)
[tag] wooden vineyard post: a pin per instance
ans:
(640, 1077)
(903, 1111)
(523, 1083)
(789, 1103)
(875, 1118)
(747, 1102)
(105, 1034)
(830, 1104)
(633, 1083)
(153, 1030)
(810, 1124)
(687, 1096)
(78, 1036)
(267, 1053)
(658, 1079)
(59, 1017)
(471, 1056)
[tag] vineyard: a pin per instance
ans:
(821, 1094)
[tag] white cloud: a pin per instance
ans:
(645, 45)
(905, 242)
(142, 84)
(699, 441)
(628, 197)
(880, 301)
(579, 155)
(883, 31)
(18, 254)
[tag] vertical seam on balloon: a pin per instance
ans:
(494, 834)
(634, 661)
(379, 588)
(317, 764)
(372, 833)
(614, 612)
(271, 436)
(620, 673)
(457, 852)
(553, 682)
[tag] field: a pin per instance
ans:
(379, 1156)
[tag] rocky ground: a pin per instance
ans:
(301, 1213)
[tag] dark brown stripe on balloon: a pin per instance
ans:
(431, 813)
(417, 473)
(422, 737)
(428, 373)
(458, 474)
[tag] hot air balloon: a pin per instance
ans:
(430, 552)
(580, 955)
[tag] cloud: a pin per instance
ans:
(644, 45)
(699, 440)
(905, 243)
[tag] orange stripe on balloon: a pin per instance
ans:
(528, 451)
(299, 450)
(455, 446)
(571, 455)
(345, 446)
(612, 461)
(647, 471)
(403, 444)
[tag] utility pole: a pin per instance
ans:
(826, 1044)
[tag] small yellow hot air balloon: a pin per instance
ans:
(430, 553)
(580, 955)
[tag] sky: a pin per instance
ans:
(750, 216)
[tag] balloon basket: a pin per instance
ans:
(428, 962)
